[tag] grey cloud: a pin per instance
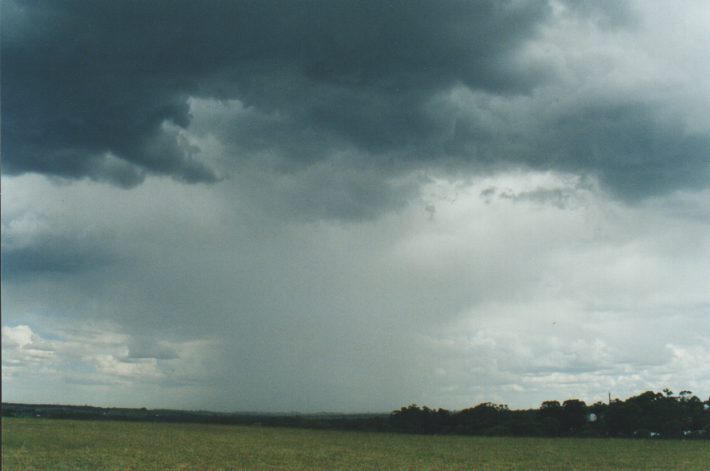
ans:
(146, 347)
(634, 149)
(83, 81)
(37, 243)
(557, 197)
(505, 138)
(325, 315)
(54, 255)
(106, 91)
(610, 14)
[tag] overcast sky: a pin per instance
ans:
(354, 205)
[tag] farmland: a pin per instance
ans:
(34, 444)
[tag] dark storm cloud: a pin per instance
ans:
(88, 86)
(77, 90)
(634, 151)
(103, 90)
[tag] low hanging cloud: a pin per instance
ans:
(117, 91)
(86, 81)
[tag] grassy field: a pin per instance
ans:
(33, 444)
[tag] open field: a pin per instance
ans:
(34, 444)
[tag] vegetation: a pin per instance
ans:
(370, 422)
(40, 444)
(648, 415)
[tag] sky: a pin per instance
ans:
(354, 206)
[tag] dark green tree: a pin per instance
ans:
(574, 416)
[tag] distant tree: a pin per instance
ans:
(599, 408)
(525, 423)
(622, 418)
(552, 409)
(477, 420)
(550, 426)
(574, 415)
(410, 419)
(650, 409)
(648, 414)
(440, 421)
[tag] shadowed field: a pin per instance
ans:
(34, 444)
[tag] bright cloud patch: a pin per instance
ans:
(91, 360)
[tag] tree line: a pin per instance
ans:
(647, 415)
